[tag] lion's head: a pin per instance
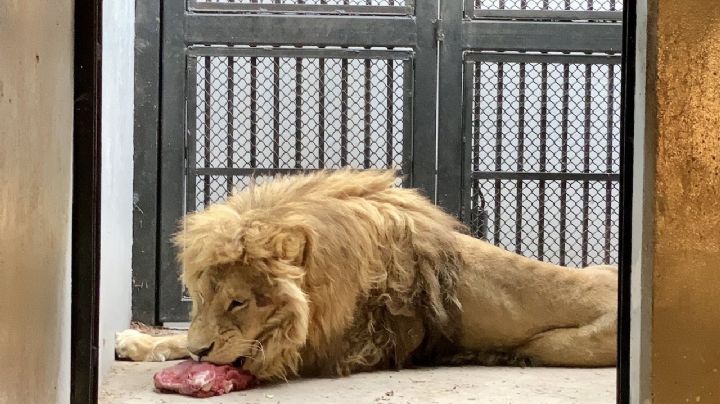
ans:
(281, 268)
(245, 280)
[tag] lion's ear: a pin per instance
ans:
(287, 244)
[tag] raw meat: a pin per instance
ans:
(202, 379)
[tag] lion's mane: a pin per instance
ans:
(373, 267)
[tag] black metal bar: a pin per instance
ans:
(586, 165)
(191, 117)
(473, 80)
(253, 111)
(86, 171)
(145, 169)
(545, 37)
(564, 162)
(626, 202)
(172, 167)
(231, 120)
(528, 57)
(421, 131)
(450, 169)
(207, 137)
(367, 110)
(298, 112)
(499, 97)
(310, 9)
(390, 112)
(560, 15)
(300, 30)
(545, 176)
(307, 53)
(608, 163)
(321, 112)
(471, 211)
(520, 160)
(409, 132)
(258, 171)
(276, 112)
(344, 113)
(543, 158)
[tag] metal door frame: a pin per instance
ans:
(441, 33)
(162, 131)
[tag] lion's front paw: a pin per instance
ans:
(136, 346)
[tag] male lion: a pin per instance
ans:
(339, 272)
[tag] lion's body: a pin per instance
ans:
(367, 276)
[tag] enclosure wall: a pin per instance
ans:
(686, 319)
(36, 112)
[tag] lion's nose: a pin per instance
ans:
(203, 351)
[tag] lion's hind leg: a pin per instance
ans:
(590, 345)
(139, 347)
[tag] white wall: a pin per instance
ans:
(117, 174)
(36, 112)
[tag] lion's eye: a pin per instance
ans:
(237, 304)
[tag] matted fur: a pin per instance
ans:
(338, 272)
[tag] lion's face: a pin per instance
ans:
(243, 316)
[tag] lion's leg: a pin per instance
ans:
(591, 345)
(139, 347)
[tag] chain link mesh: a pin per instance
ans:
(551, 5)
(377, 3)
(547, 118)
(295, 113)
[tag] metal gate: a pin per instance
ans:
(504, 111)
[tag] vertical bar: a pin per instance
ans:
(609, 161)
(499, 97)
(543, 158)
(586, 163)
(450, 169)
(390, 112)
(253, 112)
(422, 147)
(321, 112)
(172, 160)
(367, 112)
(408, 125)
(146, 170)
(191, 137)
(298, 112)
(231, 120)
(344, 113)
(563, 164)
(390, 95)
(520, 161)
(208, 133)
(471, 212)
(276, 112)
(477, 193)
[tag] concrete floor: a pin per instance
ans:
(132, 383)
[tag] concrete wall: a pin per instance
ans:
(117, 174)
(36, 110)
(686, 109)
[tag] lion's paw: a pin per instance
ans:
(136, 346)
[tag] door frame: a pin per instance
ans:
(147, 156)
(85, 249)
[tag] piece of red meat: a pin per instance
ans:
(202, 379)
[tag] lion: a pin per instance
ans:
(332, 273)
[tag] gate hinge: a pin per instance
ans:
(439, 31)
